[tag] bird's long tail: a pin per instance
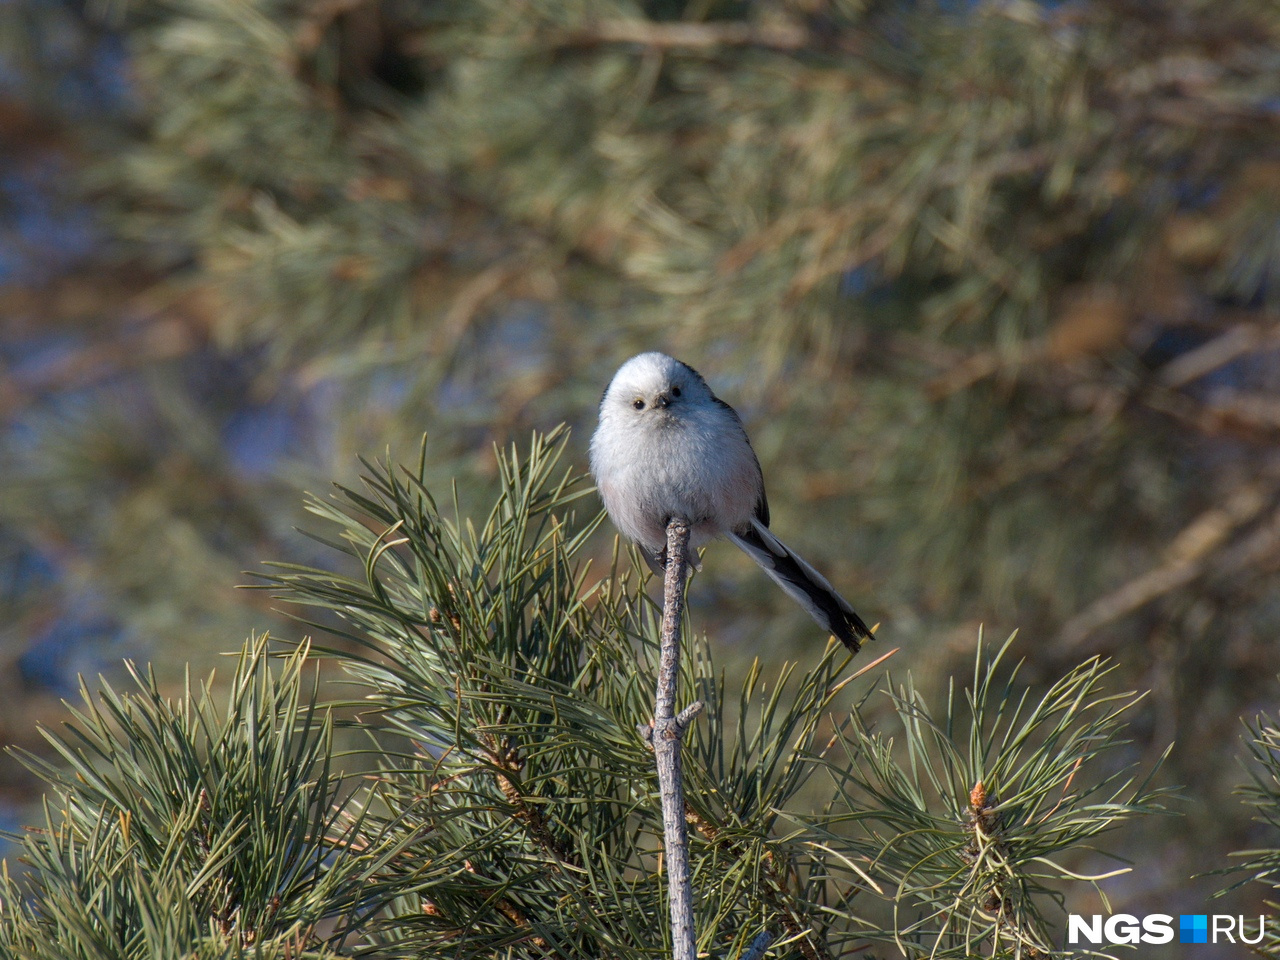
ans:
(803, 584)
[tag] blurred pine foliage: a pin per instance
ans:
(994, 285)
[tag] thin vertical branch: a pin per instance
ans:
(668, 730)
(672, 618)
(759, 945)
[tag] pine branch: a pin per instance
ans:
(512, 813)
(772, 891)
(689, 36)
(759, 946)
(184, 826)
(1194, 552)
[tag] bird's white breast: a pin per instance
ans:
(695, 463)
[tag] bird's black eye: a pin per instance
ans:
(638, 404)
(675, 391)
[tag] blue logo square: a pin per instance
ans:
(1193, 928)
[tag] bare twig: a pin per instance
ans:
(758, 946)
(666, 736)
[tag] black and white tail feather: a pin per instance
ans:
(805, 585)
(795, 575)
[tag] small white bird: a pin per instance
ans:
(666, 446)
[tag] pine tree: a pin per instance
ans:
(992, 283)
(514, 812)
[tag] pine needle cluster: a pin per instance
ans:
(178, 827)
(514, 810)
(1259, 868)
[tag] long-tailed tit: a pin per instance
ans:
(666, 446)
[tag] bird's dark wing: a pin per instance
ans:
(762, 505)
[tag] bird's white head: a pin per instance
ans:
(652, 387)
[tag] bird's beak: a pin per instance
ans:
(662, 400)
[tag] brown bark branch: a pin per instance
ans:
(1187, 558)
(1218, 352)
(772, 891)
(689, 36)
